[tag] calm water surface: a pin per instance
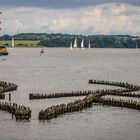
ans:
(61, 70)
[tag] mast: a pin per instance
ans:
(13, 44)
(75, 43)
(89, 44)
(70, 45)
(82, 44)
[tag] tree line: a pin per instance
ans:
(63, 40)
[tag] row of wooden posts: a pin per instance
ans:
(116, 92)
(6, 87)
(56, 110)
(118, 84)
(33, 96)
(24, 113)
(91, 96)
(17, 111)
(119, 103)
(77, 105)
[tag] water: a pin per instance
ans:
(62, 70)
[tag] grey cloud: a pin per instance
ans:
(63, 3)
(101, 19)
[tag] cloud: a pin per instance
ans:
(62, 3)
(110, 18)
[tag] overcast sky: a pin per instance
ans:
(70, 16)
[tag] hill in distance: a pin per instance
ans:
(63, 40)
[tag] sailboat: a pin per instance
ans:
(42, 51)
(75, 43)
(70, 45)
(82, 44)
(89, 45)
(13, 43)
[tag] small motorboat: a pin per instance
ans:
(42, 51)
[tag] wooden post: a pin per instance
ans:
(9, 96)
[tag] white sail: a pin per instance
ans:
(13, 44)
(70, 45)
(89, 44)
(75, 43)
(82, 44)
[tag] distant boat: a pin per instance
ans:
(13, 43)
(42, 51)
(89, 45)
(3, 50)
(70, 45)
(75, 43)
(82, 44)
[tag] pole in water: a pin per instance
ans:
(9, 96)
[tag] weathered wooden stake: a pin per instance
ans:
(9, 96)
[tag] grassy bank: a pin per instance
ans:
(20, 43)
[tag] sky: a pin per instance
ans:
(87, 17)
